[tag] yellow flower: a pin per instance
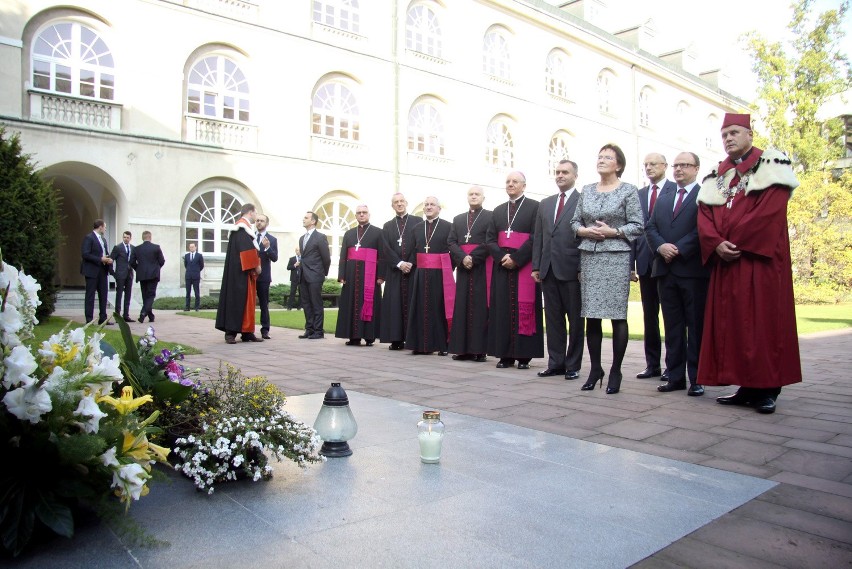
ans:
(135, 446)
(126, 403)
(63, 356)
(159, 453)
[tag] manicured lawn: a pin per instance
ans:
(112, 335)
(810, 318)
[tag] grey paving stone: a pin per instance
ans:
(634, 429)
(749, 452)
(817, 464)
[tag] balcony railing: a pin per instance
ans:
(221, 133)
(63, 109)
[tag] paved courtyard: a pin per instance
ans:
(802, 454)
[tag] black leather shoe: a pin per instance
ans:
(550, 371)
(669, 386)
(523, 366)
(738, 398)
(369, 343)
(695, 390)
(572, 375)
(665, 376)
(502, 364)
(304, 336)
(151, 317)
(442, 353)
(649, 372)
(354, 342)
(480, 358)
(395, 346)
(128, 319)
(230, 339)
(460, 357)
(316, 336)
(765, 405)
(265, 336)
(141, 318)
(251, 338)
(594, 377)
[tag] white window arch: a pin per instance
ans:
(218, 88)
(499, 146)
(210, 218)
(556, 73)
(423, 31)
(341, 14)
(72, 58)
(335, 111)
(606, 87)
(426, 128)
(336, 215)
(497, 53)
(646, 106)
(558, 150)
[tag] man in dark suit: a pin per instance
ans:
(268, 251)
(96, 265)
(672, 235)
(122, 256)
(556, 265)
(316, 260)
(149, 258)
(193, 263)
(294, 265)
(641, 263)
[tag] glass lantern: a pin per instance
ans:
(430, 434)
(335, 423)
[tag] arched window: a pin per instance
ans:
(426, 129)
(70, 58)
(340, 14)
(335, 112)
(336, 215)
(646, 102)
(210, 218)
(558, 150)
(711, 130)
(556, 73)
(496, 53)
(499, 148)
(683, 123)
(606, 88)
(217, 88)
(423, 31)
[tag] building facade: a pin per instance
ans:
(168, 115)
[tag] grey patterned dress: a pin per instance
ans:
(605, 265)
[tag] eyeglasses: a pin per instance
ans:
(653, 164)
(683, 165)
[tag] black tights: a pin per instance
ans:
(594, 338)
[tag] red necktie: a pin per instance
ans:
(680, 194)
(653, 199)
(561, 204)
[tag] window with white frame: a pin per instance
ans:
(341, 14)
(423, 31)
(71, 58)
(499, 148)
(209, 220)
(335, 112)
(558, 150)
(496, 53)
(556, 73)
(426, 129)
(336, 215)
(217, 88)
(646, 101)
(606, 88)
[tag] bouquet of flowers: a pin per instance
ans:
(151, 372)
(246, 423)
(64, 438)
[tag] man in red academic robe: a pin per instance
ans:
(235, 314)
(749, 335)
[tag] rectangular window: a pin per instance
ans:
(63, 79)
(210, 104)
(193, 104)
(228, 108)
(41, 75)
(107, 87)
(87, 83)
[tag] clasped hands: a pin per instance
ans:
(598, 232)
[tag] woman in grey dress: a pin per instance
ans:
(608, 217)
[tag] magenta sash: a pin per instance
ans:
(441, 261)
(369, 257)
(489, 268)
(526, 284)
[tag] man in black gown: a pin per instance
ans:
(361, 271)
(398, 245)
(474, 266)
(514, 323)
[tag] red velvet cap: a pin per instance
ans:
(733, 119)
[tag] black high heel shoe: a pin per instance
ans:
(594, 377)
(614, 383)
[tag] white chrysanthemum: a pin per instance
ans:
(131, 479)
(108, 458)
(88, 408)
(19, 365)
(28, 403)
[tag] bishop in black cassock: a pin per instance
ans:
(398, 245)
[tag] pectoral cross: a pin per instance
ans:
(730, 202)
(427, 248)
(357, 246)
(399, 241)
(509, 232)
(467, 237)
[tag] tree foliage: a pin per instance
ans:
(795, 81)
(29, 219)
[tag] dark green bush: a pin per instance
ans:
(29, 219)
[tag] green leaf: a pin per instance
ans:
(171, 391)
(55, 515)
(16, 524)
(130, 352)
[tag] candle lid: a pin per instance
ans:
(431, 414)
